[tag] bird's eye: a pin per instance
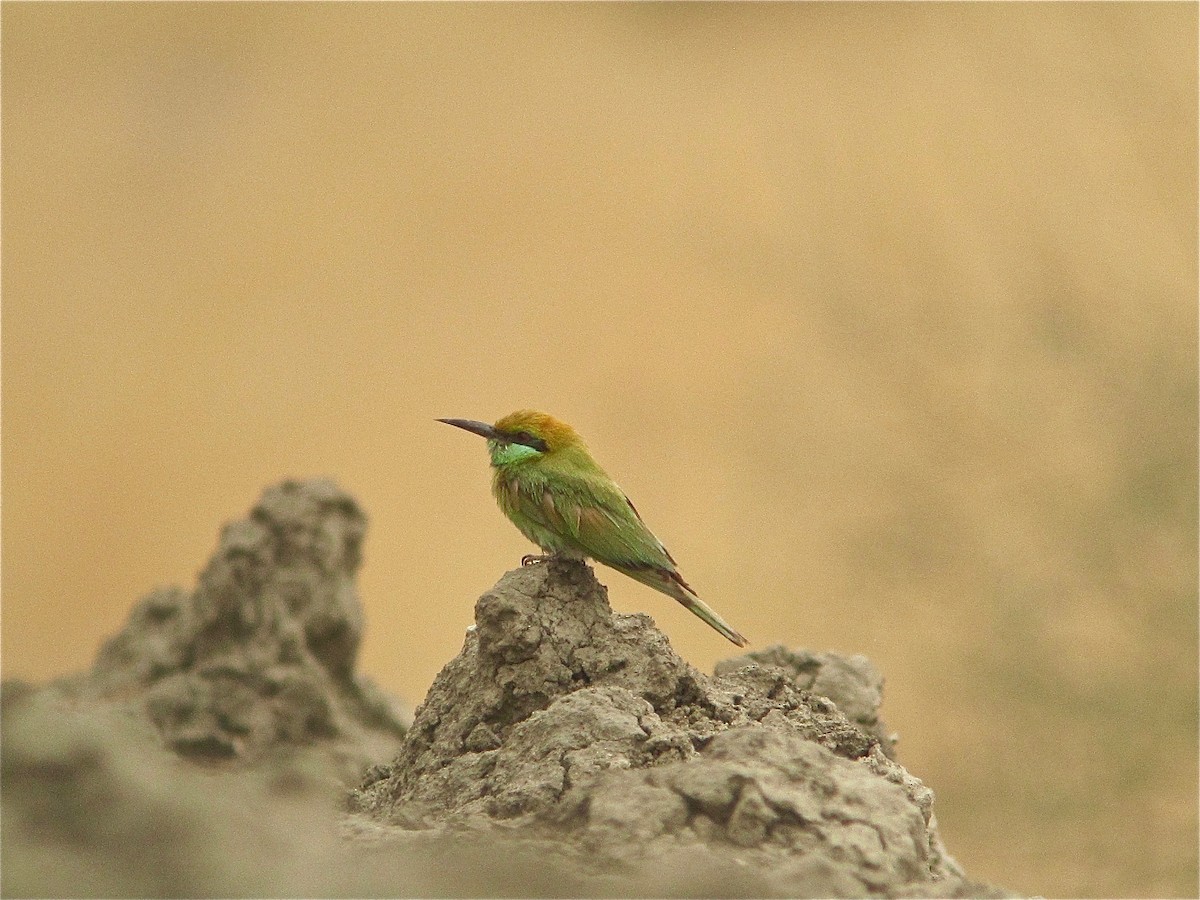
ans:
(529, 440)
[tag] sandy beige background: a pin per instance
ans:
(884, 315)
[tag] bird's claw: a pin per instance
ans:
(530, 559)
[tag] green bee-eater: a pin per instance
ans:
(547, 483)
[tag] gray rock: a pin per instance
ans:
(852, 682)
(564, 722)
(93, 805)
(564, 752)
(261, 655)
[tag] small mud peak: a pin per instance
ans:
(261, 654)
(566, 722)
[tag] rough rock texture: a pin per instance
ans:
(564, 752)
(851, 682)
(260, 656)
(94, 806)
(559, 718)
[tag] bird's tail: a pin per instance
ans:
(671, 584)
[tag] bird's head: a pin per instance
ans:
(523, 435)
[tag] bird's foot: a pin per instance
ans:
(530, 559)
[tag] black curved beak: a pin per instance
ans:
(483, 429)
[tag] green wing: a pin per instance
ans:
(613, 532)
(593, 514)
(590, 514)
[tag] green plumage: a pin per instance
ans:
(547, 483)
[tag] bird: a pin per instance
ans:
(546, 482)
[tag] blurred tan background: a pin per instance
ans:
(885, 316)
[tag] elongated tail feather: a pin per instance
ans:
(669, 583)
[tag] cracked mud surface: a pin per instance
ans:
(566, 751)
(559, 718)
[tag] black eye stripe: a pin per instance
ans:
(524, 437)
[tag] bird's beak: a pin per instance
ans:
(483, 429)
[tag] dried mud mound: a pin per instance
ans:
(564, 752)
(260, 656)
(560, 719)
